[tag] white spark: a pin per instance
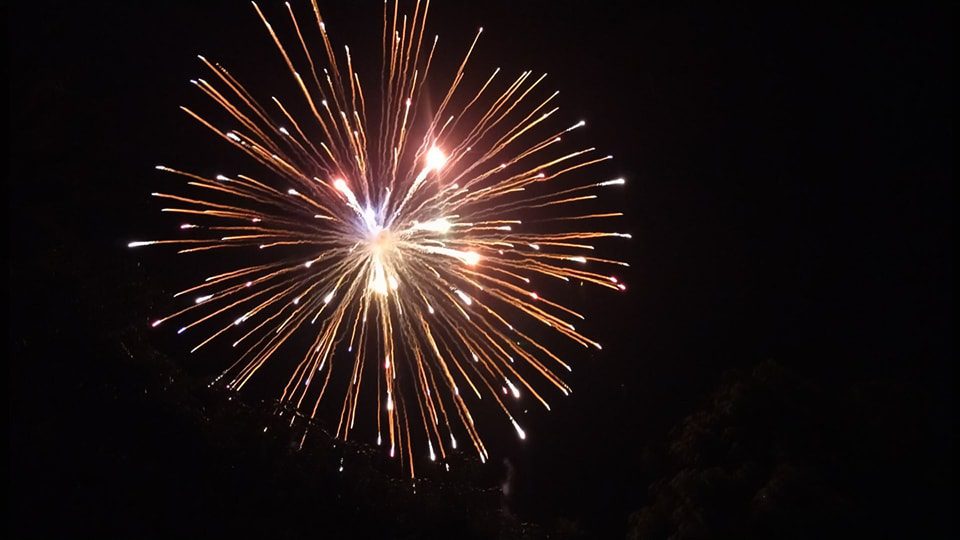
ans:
(463, 296)
(617, 182)
(520, 432)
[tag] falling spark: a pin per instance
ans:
(428, 220)
(520, 432)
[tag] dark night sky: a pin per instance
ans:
(780, 367)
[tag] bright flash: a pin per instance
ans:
(436, 159)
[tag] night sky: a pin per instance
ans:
(780, 366)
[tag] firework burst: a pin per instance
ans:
(404, 240)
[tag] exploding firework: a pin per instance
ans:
(404, 240)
